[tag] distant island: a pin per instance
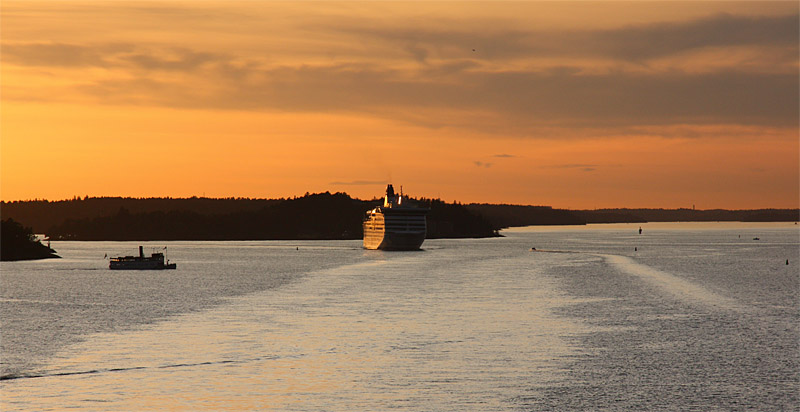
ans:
(18, 243)
(503, 216)
(314, 216)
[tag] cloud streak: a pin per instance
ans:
(358, 183)
(581, 167)
(523, 97)
(632, 43)
(452, 86)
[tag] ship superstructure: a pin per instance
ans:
(397, 225)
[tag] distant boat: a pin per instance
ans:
(396, 225)
(155, 261)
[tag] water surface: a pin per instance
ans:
(680, 317)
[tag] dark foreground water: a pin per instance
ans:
(681, 317)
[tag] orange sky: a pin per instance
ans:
(569, 104)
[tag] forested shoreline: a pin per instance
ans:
(313, 216)
(503, 216)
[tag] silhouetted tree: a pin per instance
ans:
(17, 242)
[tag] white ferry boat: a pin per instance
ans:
(141, 262)
(397, 225)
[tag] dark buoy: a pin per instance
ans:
(787, 261)
(636, 249)
(640, 230)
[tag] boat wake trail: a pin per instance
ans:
(678, 287)
(132, 368)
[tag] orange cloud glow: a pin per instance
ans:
(578, 105)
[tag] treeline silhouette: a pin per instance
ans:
(17, 242)
(503, 216)
(313, 216)
(687, 215)
(452, 220)
(43, 214)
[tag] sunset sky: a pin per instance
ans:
(568, 104)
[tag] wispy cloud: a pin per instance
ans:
(520, 98)
(576, 166)
(524, 99)
(109, 55)
(358, 183)
(61, 54)
(632, 43)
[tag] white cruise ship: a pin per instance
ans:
(396, 225)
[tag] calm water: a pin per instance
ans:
(682, 317)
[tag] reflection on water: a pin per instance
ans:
(405, 332)
(464, 325)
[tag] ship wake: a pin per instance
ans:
(14, 376)
(676, 286)
(672, 284)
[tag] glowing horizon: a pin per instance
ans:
(566, 104)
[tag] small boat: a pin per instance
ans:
(156, 261)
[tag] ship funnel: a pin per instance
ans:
(390, 199)
(141, 251)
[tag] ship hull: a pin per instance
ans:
(142, 265)
(393, 241)
(395, 229)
